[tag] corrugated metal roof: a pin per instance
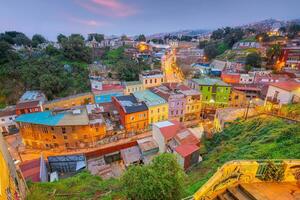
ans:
(43, 118)
(149, 98)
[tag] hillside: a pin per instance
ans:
(257, 138)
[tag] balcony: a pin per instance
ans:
(273, 100)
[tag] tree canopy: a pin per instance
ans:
(162, 179)
(253, 60)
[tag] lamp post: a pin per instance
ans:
(247, 110)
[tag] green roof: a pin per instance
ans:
(210, 81)
(149, 98)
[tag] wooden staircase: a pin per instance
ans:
(235, 193)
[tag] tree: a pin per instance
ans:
(217, 34)
(273, 52)
(253, 59)
(161, 180)
(211, 51)
(37, 39)
(22, 39)
(98, 37)
(141, 38)
(6, 53)
(61, 38)
(293, 30)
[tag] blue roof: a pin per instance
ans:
(44, 118)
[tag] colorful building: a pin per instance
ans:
(214, 91)
(175, 99)
(12, 185)
(31, 101)
(133, 114)
(173, 137)
(157, 106)
(105, 94)
(7, 120)
(62, 129)
(151, 78)
(238, 99)
(193, 104)
(133, 86)
(70, 101)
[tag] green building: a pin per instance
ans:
(214, 91)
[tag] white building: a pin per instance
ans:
(284, 92)
(7, 120)
(246, 78)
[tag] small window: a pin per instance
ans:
(53, 136)
(65, 137)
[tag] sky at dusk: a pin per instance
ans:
(131, 17)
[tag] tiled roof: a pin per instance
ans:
(28, 104)
(149, 98)
(210, 81)
(8, 111)
(185, 136)
(169, 128)
(288, 85)
(130, 104)
(186, 149)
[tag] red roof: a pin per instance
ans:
(186, 149)
(288, 85)
(28, 104)
(31, 170)
(170, 131)
(185, 136)
(110, 87)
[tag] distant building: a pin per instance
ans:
(70, 101)
(151, 78)
(62, 129)
(12, 184)
(238, 99)
(7, 120)
(31, 101)
(157, 106)
(131, 156)
(133, 86)
(149, 148)
(173, 137)
(246, 45)
(284, 92)
(214, 91)
(105, 94)
(133, 114)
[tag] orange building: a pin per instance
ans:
(133, 114)
(238, 99)
(62, 129)
(70, 101)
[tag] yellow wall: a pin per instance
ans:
(45, 137)
(243, 171)
(6, 180)
(151, 82)
(193, 108)
(133, 88)
(68, 102)
(137, 121)
(158, 113)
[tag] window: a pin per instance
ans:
(3, 119)
(65, 137)
(150, 81)
(52, 128)
(85, 136)
(63, 130)
(132, 118)
(10, 118)
(53, 136)
(44, 130)
(157, 110)
(146, 81)
(155, 80)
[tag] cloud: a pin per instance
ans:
(91, 23)
(112, 8)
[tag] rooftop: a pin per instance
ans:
(147, 144)
(31, 169)
(169, 128)
(8, 111)
(131, 155)
(210, 81)
(69, 97)
(287, 85)
(149, 98)
(130, 104)
(51, 118)
(186, 149)
(31, 96)
(28, 104)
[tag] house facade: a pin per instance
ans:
(133, 114)
(157, 106)
(151, 78)
(133, 86)
(7, 120)
(283, 93)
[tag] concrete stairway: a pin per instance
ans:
(235, 193)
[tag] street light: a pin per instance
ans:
(246, 116)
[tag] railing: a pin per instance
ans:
(244, 171)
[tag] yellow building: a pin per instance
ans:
(133, 86)
(67, 129)
(158, 107)
(151, 78)
(193, 104)
(70, 101)
(238, 99)
(12, 185)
